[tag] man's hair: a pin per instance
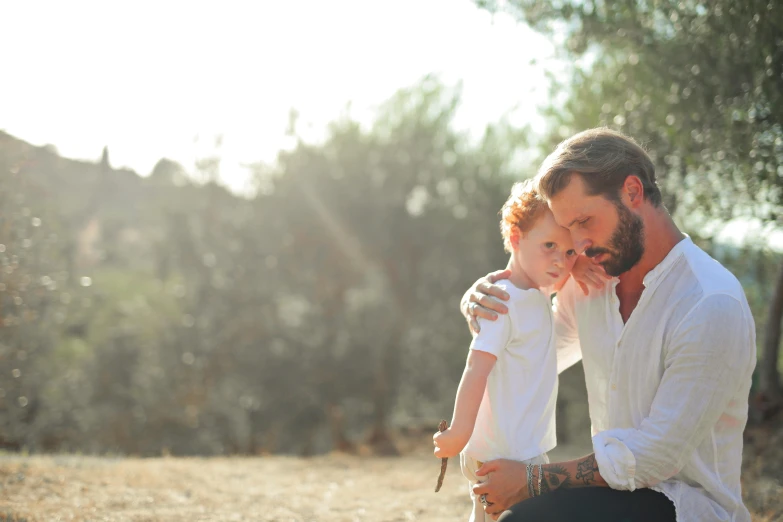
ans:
(522, 209)
(604, 159)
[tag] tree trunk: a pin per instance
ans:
(380, 440)
(340, 441)
(769, 378)
(387, 375)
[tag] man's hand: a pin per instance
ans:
(482, 299)
(589, 274)
(506, 485)
(449, 443)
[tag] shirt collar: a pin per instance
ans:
(674, 254)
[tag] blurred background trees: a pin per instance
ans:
(166, 315)
(700, 84)
(321, 312)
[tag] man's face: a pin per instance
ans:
(606, 231)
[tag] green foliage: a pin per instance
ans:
(34, 291)
(195, 322)
(158, 315)
(699, 83)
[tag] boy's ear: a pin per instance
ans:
(514, 237)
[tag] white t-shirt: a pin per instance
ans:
(516, 419)
(668, 390)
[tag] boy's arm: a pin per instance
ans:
(567, 344)
(471, 390)
(487, 345)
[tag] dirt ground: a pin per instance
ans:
(333, 488)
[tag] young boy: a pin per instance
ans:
(505, 405)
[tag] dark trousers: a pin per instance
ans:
(593, 505)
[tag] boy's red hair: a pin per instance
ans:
(522, 209)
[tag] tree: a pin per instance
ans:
(34, 297)
(319, 314)
(700, 84)
(377, 216)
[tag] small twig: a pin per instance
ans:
(444, 461)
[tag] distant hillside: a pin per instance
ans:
(95, 202)
(82, 189)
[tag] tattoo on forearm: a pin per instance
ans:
(586, 470)
(555, 476)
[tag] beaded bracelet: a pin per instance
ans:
(530, 490)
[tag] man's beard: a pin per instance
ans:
(626, 246)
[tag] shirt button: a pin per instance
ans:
(614, 387)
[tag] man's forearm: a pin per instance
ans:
(579, 473)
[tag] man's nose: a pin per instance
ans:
(582, 244)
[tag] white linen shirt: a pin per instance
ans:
(668, 390)
(516, 419)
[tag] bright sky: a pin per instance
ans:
(164, 78)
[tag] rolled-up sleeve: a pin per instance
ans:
(710, 354)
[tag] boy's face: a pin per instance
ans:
(546, 252)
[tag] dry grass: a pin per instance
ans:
(332, 488)
(324, 489)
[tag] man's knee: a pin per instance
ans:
(538, 509)
(593, 504)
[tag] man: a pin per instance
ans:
(668, 349)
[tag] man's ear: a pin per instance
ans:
(633, 190)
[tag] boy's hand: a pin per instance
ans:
(589, 274)
(448, 443)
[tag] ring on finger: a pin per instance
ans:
(483, 499)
